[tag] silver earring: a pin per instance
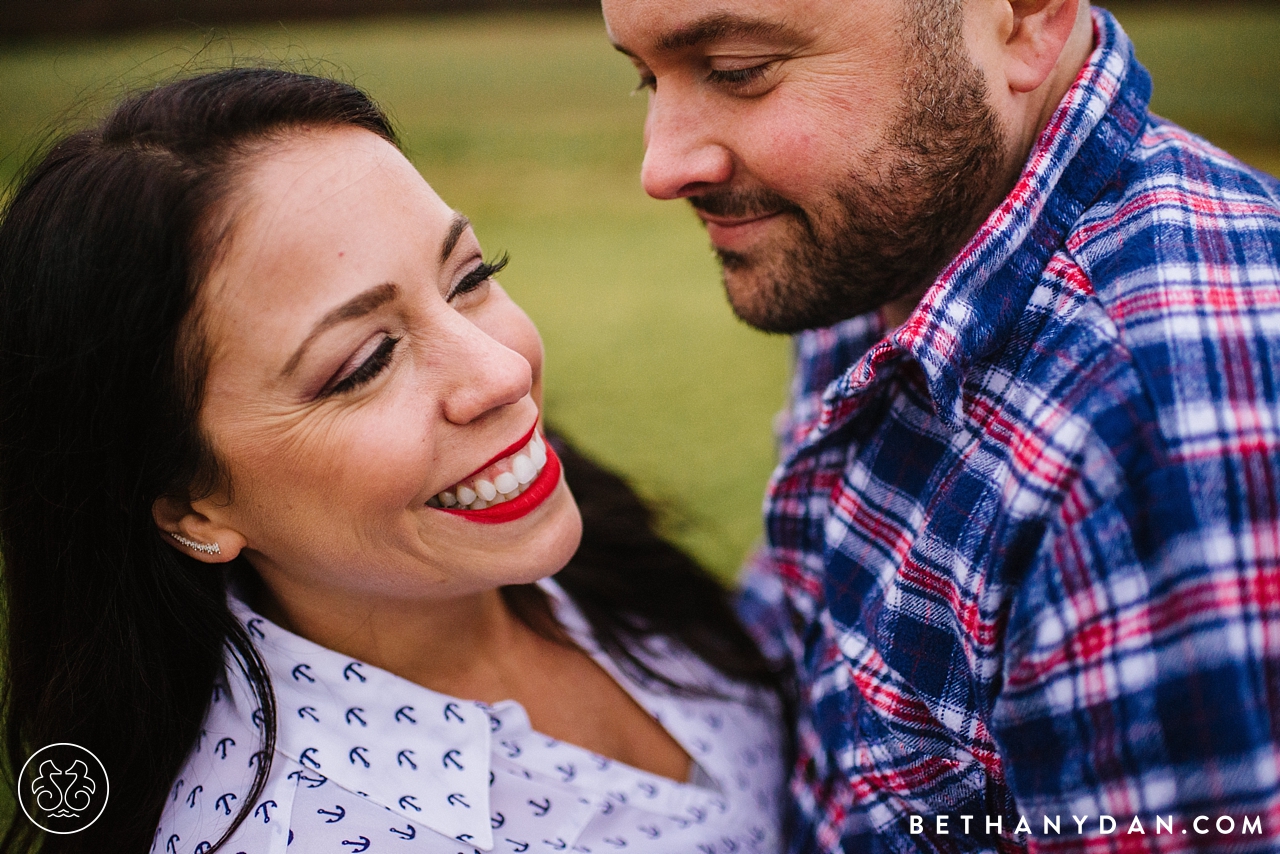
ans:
(204, 548)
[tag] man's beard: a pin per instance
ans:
(877, 242)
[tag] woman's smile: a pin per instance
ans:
(527, 471)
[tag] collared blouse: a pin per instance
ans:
(365, 761)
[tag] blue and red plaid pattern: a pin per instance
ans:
(1024, 550)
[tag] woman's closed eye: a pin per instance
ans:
(365, 371)
(476, 277)
(366, 368)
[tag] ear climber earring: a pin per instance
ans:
(204, 548)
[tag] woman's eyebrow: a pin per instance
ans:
(357, 306)
(459, 224)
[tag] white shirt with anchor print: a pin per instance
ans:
(366, 762)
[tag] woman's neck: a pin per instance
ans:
(460, 646)
(476, 647)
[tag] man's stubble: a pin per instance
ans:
(882, 241)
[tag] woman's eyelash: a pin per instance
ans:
(368, 369)
(477, 277)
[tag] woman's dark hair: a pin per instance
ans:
(115, 639)
(630, 582)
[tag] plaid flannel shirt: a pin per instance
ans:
(1024, 550)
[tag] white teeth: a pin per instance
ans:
(523, 470)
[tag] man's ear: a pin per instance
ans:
(1040, 32)
(194, 533)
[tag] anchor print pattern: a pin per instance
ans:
(366, 762)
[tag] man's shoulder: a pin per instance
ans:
(1176, 267)
(1182, 253)
(1179, 211)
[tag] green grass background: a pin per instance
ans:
(525, 122)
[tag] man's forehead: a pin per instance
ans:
(670, 27)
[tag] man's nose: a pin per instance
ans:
(682, 156)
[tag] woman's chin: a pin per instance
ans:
(548, 547)
(520, 550)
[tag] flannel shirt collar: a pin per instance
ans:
(973, 306)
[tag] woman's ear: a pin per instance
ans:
(193, 533)
(1040, 32)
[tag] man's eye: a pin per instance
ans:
(647, 81)
(739, 77)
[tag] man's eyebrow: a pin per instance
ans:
(720, 26)
(459, 224)
(357, 306)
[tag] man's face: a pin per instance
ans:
(839, 152)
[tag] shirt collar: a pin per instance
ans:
(973, 306)
(421, 754)
(675, 713)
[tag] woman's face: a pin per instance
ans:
(364, 371)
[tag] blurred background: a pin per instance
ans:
(523, 118)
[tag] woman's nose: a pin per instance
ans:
(681, 158)
(488, 376)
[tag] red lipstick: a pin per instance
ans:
(524, 503)
(508, 451)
